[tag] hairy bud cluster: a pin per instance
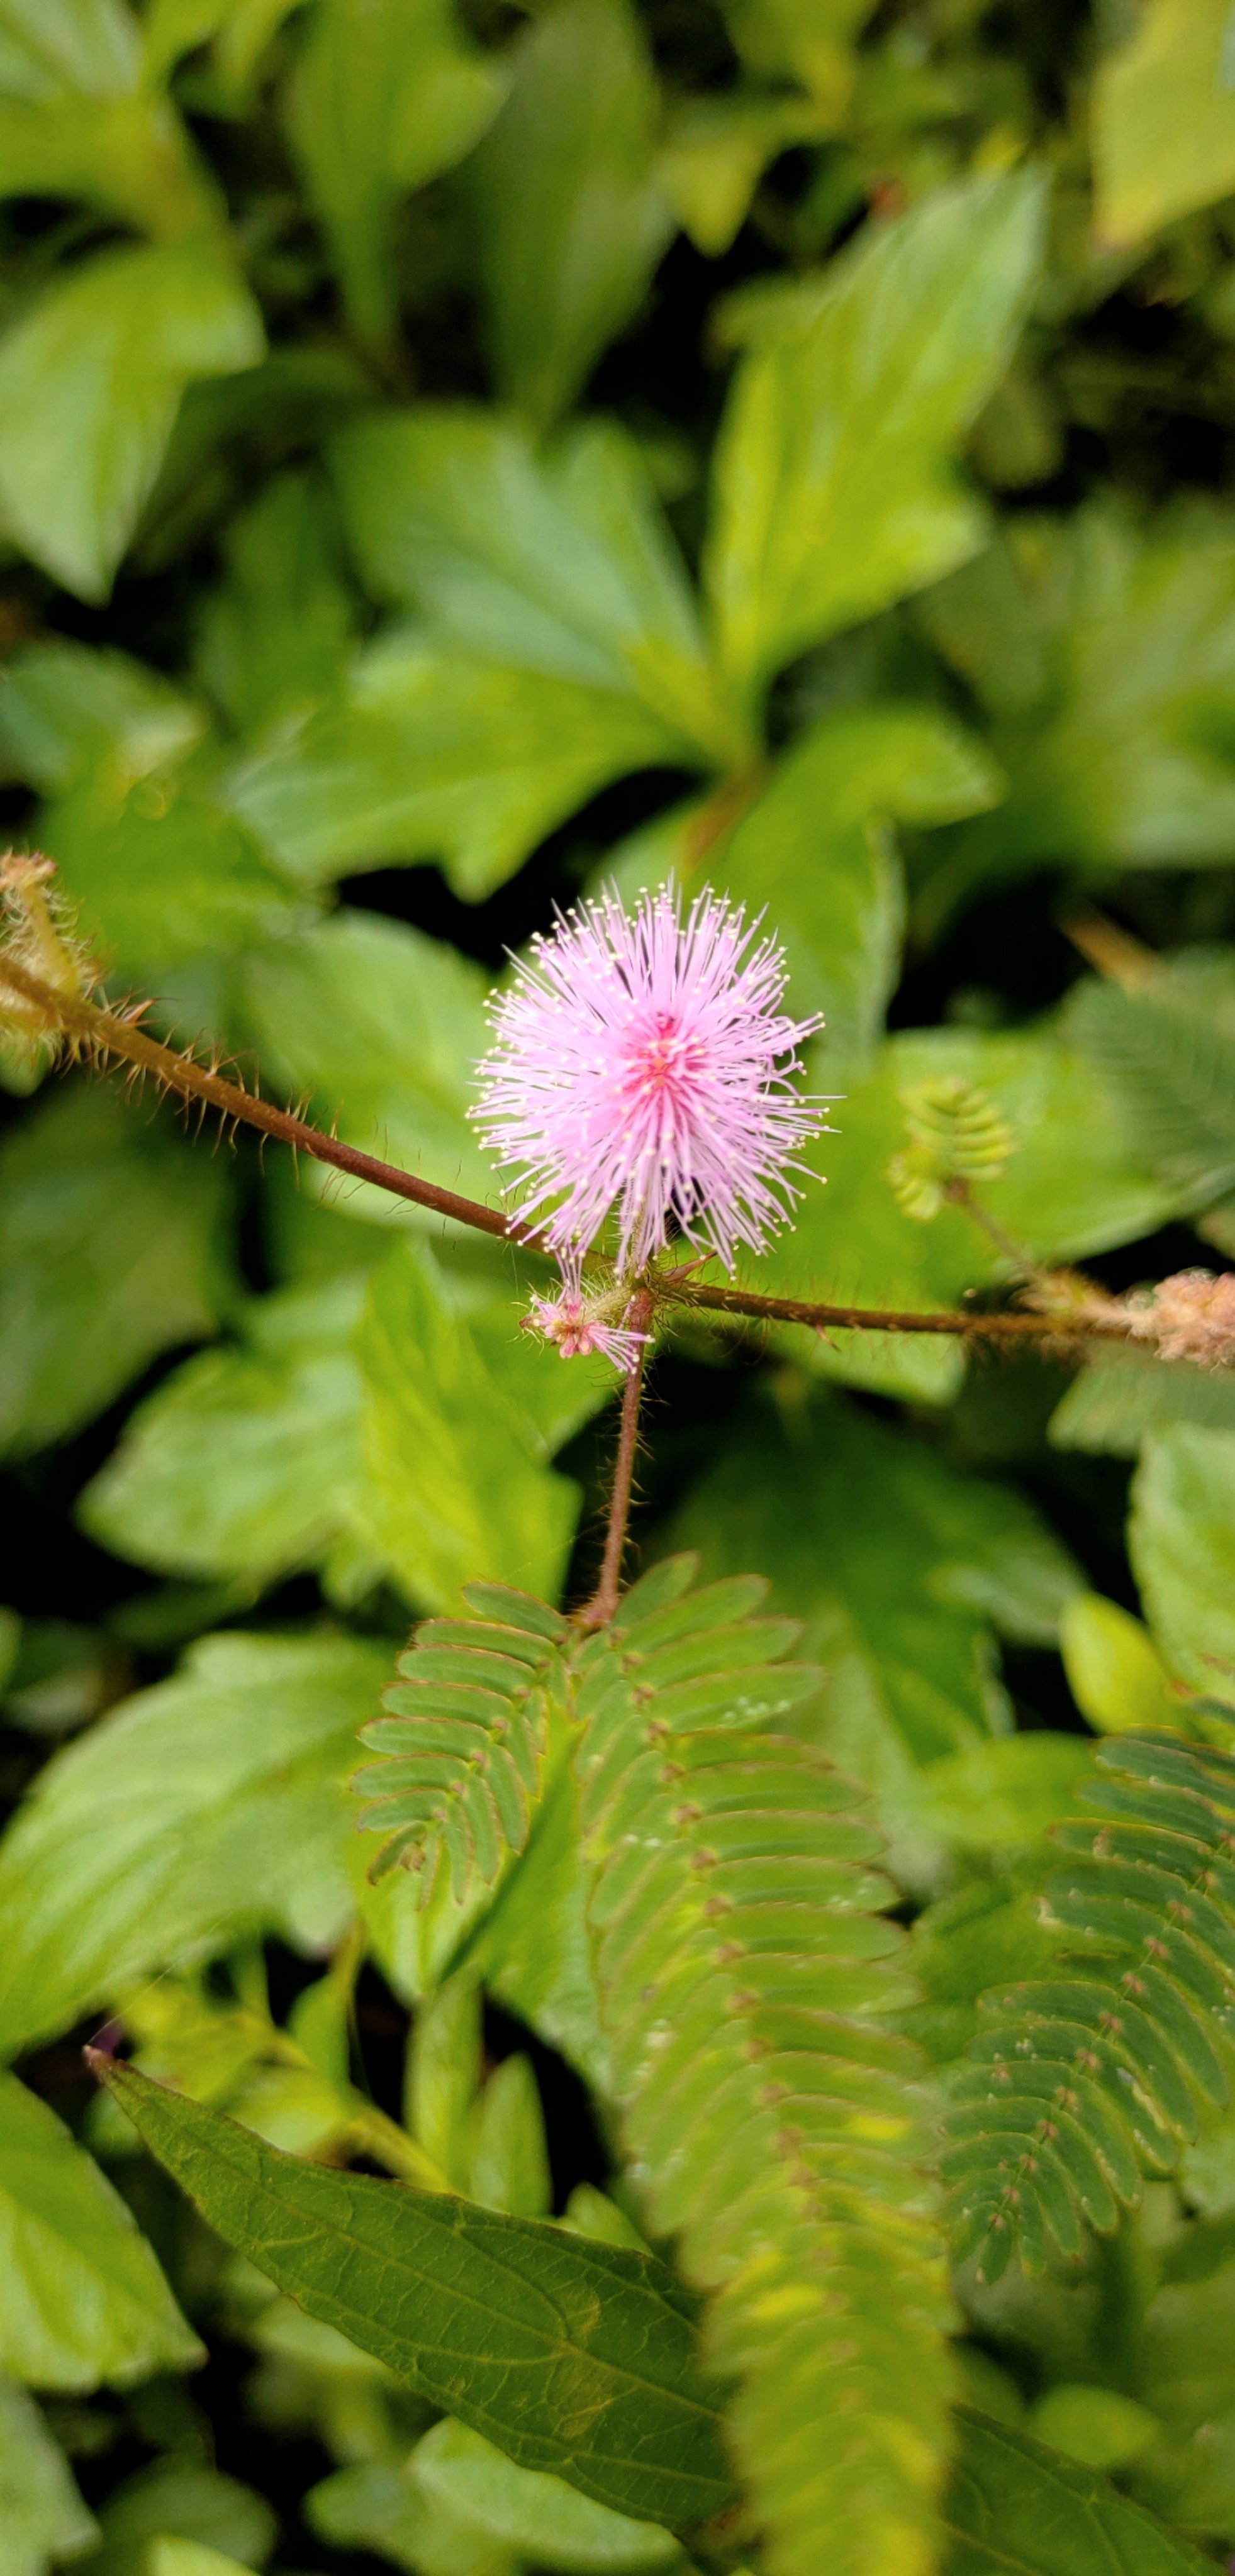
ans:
(37, 935)
(582, 1320)
(1190, 1316)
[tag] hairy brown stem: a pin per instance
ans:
(867, 1319)
(109, 1033)
(600, 1609)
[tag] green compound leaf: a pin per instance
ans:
(771, 2116)
(897, 1564)
(572, 2356)
(90, 384)
(1015, 2508)
(1085, 2076)
(835, 490)
(464, 1742)
(1168, 1050)
(745, 1976)
(84, 2300)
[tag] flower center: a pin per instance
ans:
(664, 1061)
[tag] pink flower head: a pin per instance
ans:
(641, 1063)
(581, 1323)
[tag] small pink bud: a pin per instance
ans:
(581, 1325)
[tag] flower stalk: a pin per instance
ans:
(600, 1609)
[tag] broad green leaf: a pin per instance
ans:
(574, 2357)
(386, 95)
(996, 1796)
(508, 2161)
(77, 120)
(1182, 1541)
(1115, 1673)
(808, 40)
(1120, 1394)
(715, 154)
(231, 429)
(243, 1465)
(557, 562)
(983, 1934)
(206, 1807)
(536, 2516)
(109, 1253)
(1077, 1183)
(572, 218)
(442, 2074)
(384, 2510)
(90, 382)
(1096, 2426)
(176, 2500)
(188, 2558)
(246, 29)
(1121, 755)
(835, 488)
(1164, 119)
(818, 852)
(379, 1031)
(176, 27)
(1017, 2509)
(275, 636)
(1182, 2364)
(84, 2299)
(63, 707)
(92, 46)
(895, 1563)
(434, 756)
(159, 872)
(41, 2513)
(451, 1492)
(248, 1464)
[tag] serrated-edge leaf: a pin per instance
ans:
(573, 2356)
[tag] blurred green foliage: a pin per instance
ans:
(452, 453)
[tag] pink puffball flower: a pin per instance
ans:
(641, 1064)
(581, 1323)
